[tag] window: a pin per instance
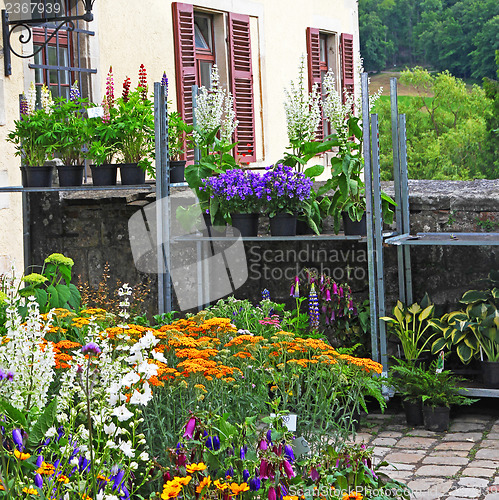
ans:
(322, 53)
(196, 34)
(61, 61)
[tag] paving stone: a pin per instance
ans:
(463, 436)
(467, 492)
(488, 453)
(470, 417)
(492, 496)
(487, 464)
(380, 452)
(477, 472)
(422, 433)
(380, 441)
(437, 470)
(473, 482)
(416, 442)
(405, 456)
(466, 426)
(493, 435)
(454, 445)
(390, 434)
(401, 475)
(429, 488)
(451, 453)
(362, 437)
(490, 443)
(439, 460)
(398, 466)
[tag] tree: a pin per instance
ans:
(374, 46)
(486, 42)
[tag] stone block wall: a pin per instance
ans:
(92, 228)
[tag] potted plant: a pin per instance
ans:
(286, 192)
(405, 380)
(474, 330)
(177, 130)
(412, 326)
(30, 138)
(440, 392)
(238, 194)
(68, 134)
(134, 125)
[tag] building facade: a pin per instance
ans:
(257, 46)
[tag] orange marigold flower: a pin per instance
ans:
(67, 344)
(238, 488)
(63, 479)
(30, 491)
(21, 456)
(195, 467)
(46, 468)
(205, 483)
(220, 485)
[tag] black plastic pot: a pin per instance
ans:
(104, 175)
(24, 177)
(413, 413)
(213, 231)
(246, 224)
(70, 175)
(302, 228)
(177, 171)
(131, 174)
(40, 176)
(283, 224)
(436, 419)
(490, 374)
(351, 227)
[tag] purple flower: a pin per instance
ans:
(288, 451)
(255, 484)
(313, 304)
(288, 469)
(265, 294)
(263, 445)
(242, 453)
(229, 472)
(269, 435)
(91, 349)
(38, 481)
(117, 479)
(314, 474)
(246, 475)
(189, 428)
(264, 470)
(18, 438)
(272, 494)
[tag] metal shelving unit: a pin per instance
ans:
(404, 240)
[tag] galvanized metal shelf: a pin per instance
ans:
(462, 239)
(84, 187)
(262, 238)
(481, 392)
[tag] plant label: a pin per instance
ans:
(300, 446)
(96, 112)
(288, 420)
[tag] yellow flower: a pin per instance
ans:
(30, 491)
(201, 387)
(21, 456)
(195, 467)
(238, 488)
(63, 479)
(170, 490)
(184, 481)
(219, 485)
(205, 483)
(34, 279)
(58, 258)
(46, 468)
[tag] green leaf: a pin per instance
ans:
(53, 296)
(314, 171)
(64, 293)
(43, 424)
(17, 416)
(464, 352)
(474, 296)
(426, 313)
(457, 336)
(438, 345)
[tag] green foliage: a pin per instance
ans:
(446, 133)
(411, 325)
(473, 328)
(52, 287)
(457, 36)
(406, 381)
(177, 135)
(491, 146)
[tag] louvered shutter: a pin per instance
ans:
(185, 61)
(241, 84)
(314, 68)
(347, 64)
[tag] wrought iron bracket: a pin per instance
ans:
(9, 26)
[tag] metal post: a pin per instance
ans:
(162, 199)
(197, 153)
(378, 238)
(396, 182)
(404, 200)
(366, 144)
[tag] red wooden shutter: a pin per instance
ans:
(185, 61)
(241, 84)
(314, 68)
(347, 64)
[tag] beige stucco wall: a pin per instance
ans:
(130, 33)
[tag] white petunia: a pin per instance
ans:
(123, 413)
(126, 449)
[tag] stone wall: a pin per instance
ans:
(92, 228)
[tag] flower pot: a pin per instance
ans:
(283, 224)
(177, 171)
(70, 175)
(40, 176)
(24, 177)
(104, 175)
(490, 374)
(212, 231)
(302, 228)
(413, 413)
(246, 224)
(351, 227)
(131, 174)
(436, 419)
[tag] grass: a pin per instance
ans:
(383, 80)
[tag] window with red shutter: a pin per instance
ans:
(347, 64)
(315, 67)
(241, 84)
(185, 61)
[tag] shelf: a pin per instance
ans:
(444, 239)
(481, 392)
(84, 187)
